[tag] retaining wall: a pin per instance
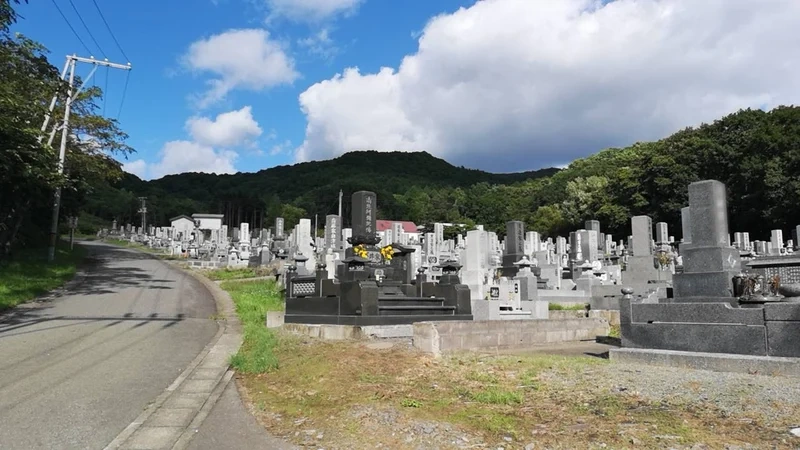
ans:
(453, 336)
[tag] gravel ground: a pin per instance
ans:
(773, 399)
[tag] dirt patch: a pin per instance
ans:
(338, 395)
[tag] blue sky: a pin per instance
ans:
(155, 34)
(499, 85)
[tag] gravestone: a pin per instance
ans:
(642, 232)
(662, 233)
(374, 284)
(686, 227)
(332, 231)
(593, 225)
(438, 231)
(709, 262)
(364, 218)
(515, 247)
(776, 239)
(398, 234)
(279, 227)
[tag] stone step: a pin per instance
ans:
(408, 301)
(408, 310)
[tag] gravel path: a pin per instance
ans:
(773, 399)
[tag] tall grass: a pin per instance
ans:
(253, 300)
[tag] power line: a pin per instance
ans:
(105, 92)
(85, 47)
(91, 36)
(109, 30)
(124, 91)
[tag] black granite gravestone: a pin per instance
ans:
(374, 285)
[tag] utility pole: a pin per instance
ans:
(340, 205)
(143, 212)
(68, 66)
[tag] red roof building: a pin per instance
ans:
(408, 227)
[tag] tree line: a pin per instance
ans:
(755, 153)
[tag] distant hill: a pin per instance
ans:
(755, 153)
(311, 186)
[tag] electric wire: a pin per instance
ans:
(105, 92)
(86, 27)
(109, 30)
(124, 91)
(85, 47)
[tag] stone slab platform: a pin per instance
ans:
(369, 320)
(438, 338)
(717, 362)
(344, 332)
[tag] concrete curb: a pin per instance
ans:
(174, 417)
(716, 362)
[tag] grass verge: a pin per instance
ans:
(560, 307)
(29, 275)
(237, 273)
(253, 300)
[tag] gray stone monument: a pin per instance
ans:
(279, 227)
(642, 232)
(709, 262)
(662, 233)
(333, 231)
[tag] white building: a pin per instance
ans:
(183, 225)
(208, 221)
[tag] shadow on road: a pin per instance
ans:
(104, 271)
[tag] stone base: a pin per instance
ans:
(703, 284)
(447, 337)
(718, 362)
(368, 320)
(770, 330)
(344, 332)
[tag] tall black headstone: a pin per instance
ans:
(515, 247)
(365, 208)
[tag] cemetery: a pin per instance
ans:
(709, 291)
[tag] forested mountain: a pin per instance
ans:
(756, 153)
(296, 191)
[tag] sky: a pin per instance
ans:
(223, 86)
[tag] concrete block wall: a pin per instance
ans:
(451, 336)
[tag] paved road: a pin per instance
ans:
(77, 369)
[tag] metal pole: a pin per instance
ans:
(51, 251)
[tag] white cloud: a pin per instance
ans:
(320, 44)
(184, 156)
(240, 59)
(187, 156)
(280, 148)
(517, 84)
(310, 10)
(229, 129)
(137, 167)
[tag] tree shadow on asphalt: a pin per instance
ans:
(96, 277)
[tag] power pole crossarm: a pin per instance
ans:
(101, 63)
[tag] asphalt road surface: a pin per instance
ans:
(76, 369)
